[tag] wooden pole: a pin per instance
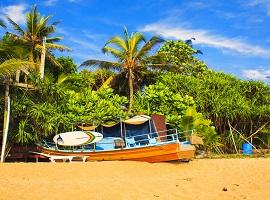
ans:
(257, 131)
(232, 137)
(245, 139)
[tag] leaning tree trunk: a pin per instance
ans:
(42, 60)
(131, 89)
(5, 126)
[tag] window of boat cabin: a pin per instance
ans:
(113, 131)
(140, 132)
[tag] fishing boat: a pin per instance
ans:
(140, 138)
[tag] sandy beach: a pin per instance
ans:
(204, 179)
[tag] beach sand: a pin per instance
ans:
(202, 179)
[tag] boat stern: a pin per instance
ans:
(186, 151)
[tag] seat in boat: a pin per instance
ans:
(130, 141)
(152, 141)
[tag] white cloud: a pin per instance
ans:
(49, 2)
(15, 12)
(198, 4)
(256, 74)
(263, 3)
(85, 44)
(204, 37)
(53, 2)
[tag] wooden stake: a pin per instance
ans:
(233, 138)
(245, 139)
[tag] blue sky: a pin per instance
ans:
(234, 35)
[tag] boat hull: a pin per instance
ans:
(155, 153)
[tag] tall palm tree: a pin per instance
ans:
(37, 29)
(8, 66)
(131, 53)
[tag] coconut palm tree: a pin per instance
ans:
(131, 53)
(37, 29)
(8, 66)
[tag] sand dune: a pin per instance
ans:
(199, 179)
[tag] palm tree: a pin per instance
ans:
(8, 66)
(131, 56)
(37, 29)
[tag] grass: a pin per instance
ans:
(232, 156)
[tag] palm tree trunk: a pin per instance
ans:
(18, 73)
(42, 60)
(5, 126)
(131, 89)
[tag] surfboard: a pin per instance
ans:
(76, 138)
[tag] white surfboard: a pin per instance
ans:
(76, 138)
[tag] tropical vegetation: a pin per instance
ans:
(132, 59)
(224, 110)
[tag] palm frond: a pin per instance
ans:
(57, 46)
(126, 33)
(32, 20)
(148, 46)
(119, 42)
(16, 27)
(41, 25)
(55, 23)
(62, 78)
(2, 23)
(102, 64)
(49, 30)
(53, 61)
(116, 53)
(134, 42)
(10, 66)
(53, 39)
(106, 83)
(53, 46)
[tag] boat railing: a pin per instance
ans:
(159, 137)
(147, 139)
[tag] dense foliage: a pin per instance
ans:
(172, 81)
(180, 57)
(54, 108)
(179, 110)
(225, 99)
(131, 53)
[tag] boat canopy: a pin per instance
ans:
(87, 128)
(137, 125)
(136, 120)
